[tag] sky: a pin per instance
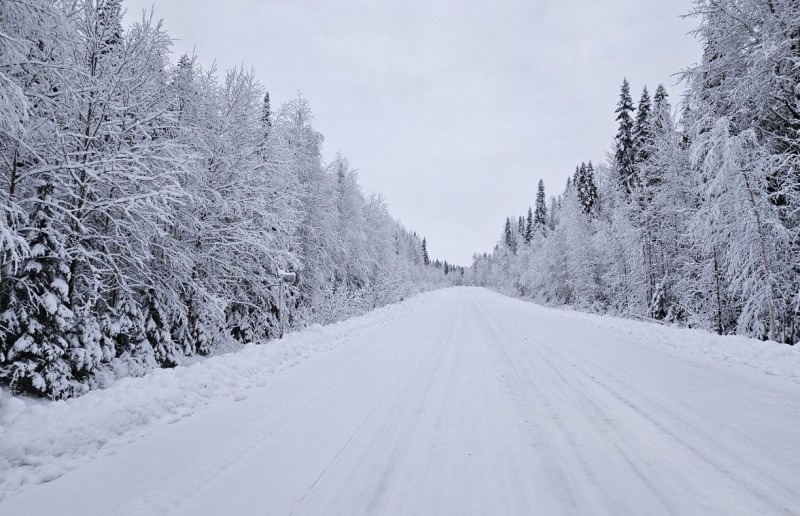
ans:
(451, 109)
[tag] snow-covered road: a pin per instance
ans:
(466, 403)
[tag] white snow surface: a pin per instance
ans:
(459, 401)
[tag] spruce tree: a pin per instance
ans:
(508, 236)
(127, 331)
(662, 135)
(590, 196)
(425, 258)
(579, 182)
(585, 187)
(34, 350)
(109, 24)
(89, 347)
(156, 324)
(266, 117)
(200, 334)
(642, 131)
(529, 226)
(184, 89)
(624, 154)
(540, 215)
(266, 113)
(662, 111)
(552, 219)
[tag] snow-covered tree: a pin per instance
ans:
(540, 214)
(585, 187)
(625, 147)
(35, 353)
(642, 128)
(529, 227)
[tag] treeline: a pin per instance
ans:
(146, 208)
(694, 219)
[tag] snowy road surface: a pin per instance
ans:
(466, 403)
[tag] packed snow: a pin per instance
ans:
(459, 401)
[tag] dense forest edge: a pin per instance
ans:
(693, 217)
(148, 208)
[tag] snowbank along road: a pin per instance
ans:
(456, 402)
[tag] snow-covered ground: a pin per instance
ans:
(459, 401)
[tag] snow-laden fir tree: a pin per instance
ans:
(642, 130)
(529, 228)
(625, 150)
(585, 187)
(540, 214)
(509, 238)
(555, 205)
(35, 354)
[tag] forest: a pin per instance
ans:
(693, 217)
(147, 207)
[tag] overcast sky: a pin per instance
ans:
(452, 109)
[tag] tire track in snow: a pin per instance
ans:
(426, 355)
